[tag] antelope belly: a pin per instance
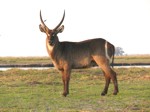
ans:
(85, 63)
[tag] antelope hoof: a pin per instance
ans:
(65, 94)
(115, 93)
(103, 94)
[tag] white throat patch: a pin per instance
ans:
(49, 48)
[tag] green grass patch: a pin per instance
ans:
(40, 91)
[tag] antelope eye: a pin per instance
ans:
(53, 35)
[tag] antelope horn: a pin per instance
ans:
(43, 24)
(60, 21)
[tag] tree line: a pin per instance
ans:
(119, 51)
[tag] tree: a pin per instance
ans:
(119, 51)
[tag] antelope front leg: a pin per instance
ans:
(66, 79)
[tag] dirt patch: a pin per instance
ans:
(34, 83)
(146, 77)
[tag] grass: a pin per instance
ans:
(46, 60)
(25, 60)
(40, 91)
(133, 59)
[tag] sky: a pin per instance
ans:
(124, 23)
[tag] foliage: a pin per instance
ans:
(119, 51)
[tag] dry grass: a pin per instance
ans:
(133, 59)
(40, 90)
(46, 60)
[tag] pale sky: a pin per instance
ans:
(124, 23)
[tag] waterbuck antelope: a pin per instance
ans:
(69, 55)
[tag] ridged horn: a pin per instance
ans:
(43, 24)
(60, 21)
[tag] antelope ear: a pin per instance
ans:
(42, 29)
(60, 29)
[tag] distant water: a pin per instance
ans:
(40, 68)
(25, 68)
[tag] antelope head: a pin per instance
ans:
(51, 33)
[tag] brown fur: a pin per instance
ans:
(69, 55)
